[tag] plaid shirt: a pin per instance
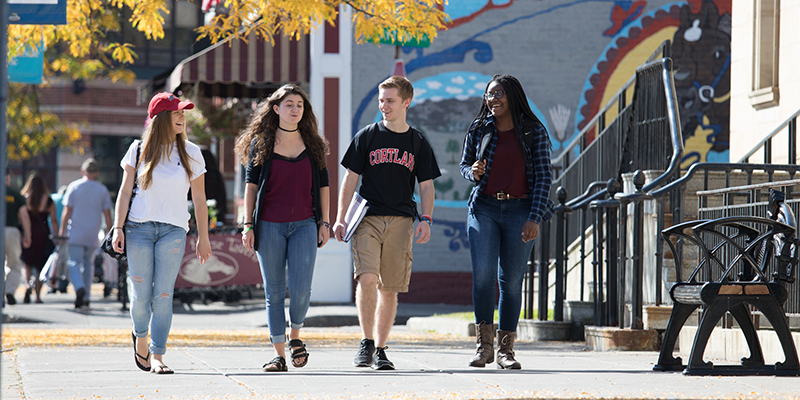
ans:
(537, 164)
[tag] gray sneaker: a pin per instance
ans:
(382, 362)
(365, 353)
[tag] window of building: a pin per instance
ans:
(766, 29)
(156, 56)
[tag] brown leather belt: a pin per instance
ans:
(501, 195)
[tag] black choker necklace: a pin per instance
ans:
(287, 130)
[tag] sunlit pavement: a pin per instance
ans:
(217, 351)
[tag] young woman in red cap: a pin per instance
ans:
(155, 233)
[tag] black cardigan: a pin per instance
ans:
(259, 174)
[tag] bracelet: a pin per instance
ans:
(427, 219)
(248, 229)
(248, 223)
(117, 227)
(326, 224)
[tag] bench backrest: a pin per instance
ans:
(740, 248)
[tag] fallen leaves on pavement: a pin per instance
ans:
(200, 338)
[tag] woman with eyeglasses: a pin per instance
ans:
(507, 156)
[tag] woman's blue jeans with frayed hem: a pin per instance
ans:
(155, 251)
(494, 229)
(282, 247)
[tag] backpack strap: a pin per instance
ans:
(135, 179)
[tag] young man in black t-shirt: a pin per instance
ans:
(388, 156)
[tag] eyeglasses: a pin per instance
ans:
(494, 95)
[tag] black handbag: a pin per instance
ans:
(108, 243)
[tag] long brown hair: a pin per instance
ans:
(34, 190)
(157, 141)
(260, 132)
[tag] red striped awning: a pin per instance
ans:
(238, 68)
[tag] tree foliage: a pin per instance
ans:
(89, 46)
(407, 19)
(31, 130)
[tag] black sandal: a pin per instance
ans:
(278, 364)
(136, 356)
(163, 369)
(298, 353)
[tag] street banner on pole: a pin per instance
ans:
(37, 12)
(28, 67)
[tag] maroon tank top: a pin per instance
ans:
(288, 196)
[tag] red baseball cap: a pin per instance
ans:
(167, 101)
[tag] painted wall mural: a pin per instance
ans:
(571, 56)
(463, 11)
(701, 51)
(700, 35)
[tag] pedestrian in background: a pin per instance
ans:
(15, 240)
(388, 156)
(507, 156)
(85, 201)
(286, 202)
(155, 233)
(40, 207)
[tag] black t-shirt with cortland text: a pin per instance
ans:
(388, 165)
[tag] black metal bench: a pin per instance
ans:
(733, 272)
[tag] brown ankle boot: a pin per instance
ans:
(484, 351)
(505, 352)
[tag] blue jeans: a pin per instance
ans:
(81, 267)
(282, 246)
(494, 229)
(155, 251)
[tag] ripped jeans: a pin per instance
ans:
(155, 252)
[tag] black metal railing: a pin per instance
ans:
(645, 135)
(765, 146)
(605, 271)
(613, 152)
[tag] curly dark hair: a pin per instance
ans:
(259, 136)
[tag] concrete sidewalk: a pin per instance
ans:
(429, 365)
(431, 371)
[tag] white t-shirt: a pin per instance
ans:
(165, 199)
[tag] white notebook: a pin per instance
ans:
(355, 213)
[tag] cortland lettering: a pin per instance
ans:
(391, 156)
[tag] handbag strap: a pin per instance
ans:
(135, 179)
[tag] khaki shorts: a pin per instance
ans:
(382, 246)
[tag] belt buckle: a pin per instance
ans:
(501, 195)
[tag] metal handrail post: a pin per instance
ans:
(528, 310)
(583, 252)
(561, 212)
(607, 312)
(659, 251)
(793, 141)
(597, 260)
(612, 254)
(544, 269)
